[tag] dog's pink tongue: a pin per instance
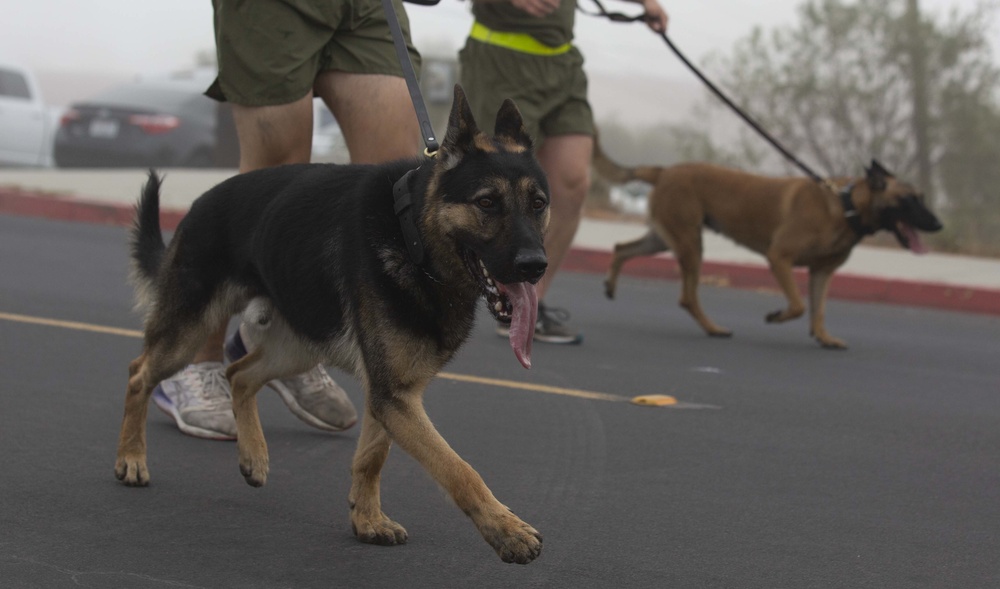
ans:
(913, 238)
(522, 325)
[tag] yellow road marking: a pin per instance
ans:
(538, 388)
(70, 325)
(655, 400)
(509, 384)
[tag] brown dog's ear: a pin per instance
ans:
(877, 176)
(459, 139)
(510, 125)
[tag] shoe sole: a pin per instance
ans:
(559, 339)
(289, 399)
(206, 434)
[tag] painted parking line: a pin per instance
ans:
(663, 401)
(74, 325)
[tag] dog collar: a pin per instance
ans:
(851, 214)
(402, 196)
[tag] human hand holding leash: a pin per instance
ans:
(656, 17)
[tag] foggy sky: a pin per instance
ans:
(158, 36)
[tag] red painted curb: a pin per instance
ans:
(68, 208)
(843, 286)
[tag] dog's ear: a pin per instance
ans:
(460, 136)
(877, 176)
(510, 125)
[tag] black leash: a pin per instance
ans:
(619, 17)
(402, 190)
(426, 129)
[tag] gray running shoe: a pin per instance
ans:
(199, 400)
(312, 396)
(550, 327)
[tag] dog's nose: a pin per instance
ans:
(530, 265)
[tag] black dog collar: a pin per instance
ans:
(402, 196)
(851, 214)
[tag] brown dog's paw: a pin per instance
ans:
(783, 315)
(609, 289)
(723, 333)
(132, 471)
(514, 540)
(254, 470)
(828, 341)
(832, 343)
(380, 530)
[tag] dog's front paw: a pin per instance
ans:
(609, 289)
(254, 469)
(832, 343)
(132, 471)
(378, 530)
(513, 539)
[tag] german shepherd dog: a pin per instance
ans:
(790, 221)
(336, 268)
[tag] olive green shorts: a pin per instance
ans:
(549, 90)
(270, 52)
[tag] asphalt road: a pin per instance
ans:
(791, 467)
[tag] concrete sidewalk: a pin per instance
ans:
(879, 274)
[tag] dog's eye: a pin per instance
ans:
(539, 203)
(486, 202)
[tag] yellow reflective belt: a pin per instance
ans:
(516, 41)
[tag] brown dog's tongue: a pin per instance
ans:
(524, 302)
(913, 238)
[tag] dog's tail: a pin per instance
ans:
(147, 239)
(616, 173)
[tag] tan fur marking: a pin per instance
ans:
(483, 143)
(510, 145)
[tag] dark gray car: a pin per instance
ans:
(155, 123)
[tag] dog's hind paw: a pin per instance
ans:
(784, 315)
(132, 471)
(382, 531)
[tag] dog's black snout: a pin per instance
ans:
(530, 265)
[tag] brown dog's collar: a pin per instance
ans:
(851, 213)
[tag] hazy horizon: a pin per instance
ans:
(634, 77)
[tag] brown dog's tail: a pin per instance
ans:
(616, 173)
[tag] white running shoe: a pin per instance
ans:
(199, 400)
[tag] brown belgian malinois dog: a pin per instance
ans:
(790, 221)
(377, 269)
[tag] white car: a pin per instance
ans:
(26, 123)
